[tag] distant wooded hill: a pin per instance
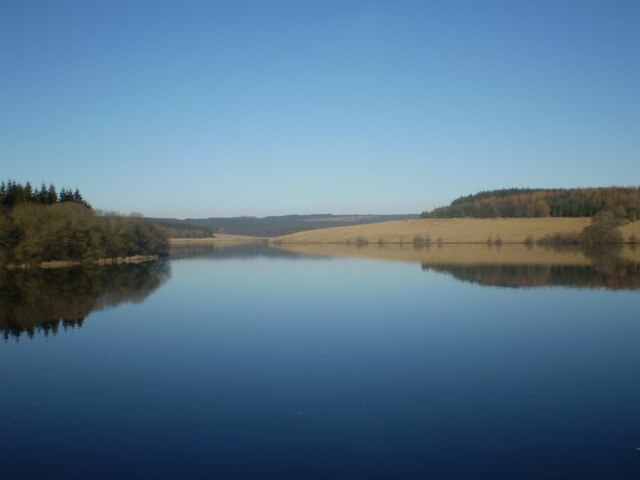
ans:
(531, 202)
(266, 226)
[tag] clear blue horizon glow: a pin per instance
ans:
(201, 109)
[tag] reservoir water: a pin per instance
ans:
(253, 362)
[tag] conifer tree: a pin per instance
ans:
(52, 195)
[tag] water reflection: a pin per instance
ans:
(43, 301)
(516, 266)
(224, 250)
(46, 300)
(610, 273)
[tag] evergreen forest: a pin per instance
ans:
(529, 202)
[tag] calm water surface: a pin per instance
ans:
(263, 363)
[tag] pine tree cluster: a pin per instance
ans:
(12, 193)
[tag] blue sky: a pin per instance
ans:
(197, 109)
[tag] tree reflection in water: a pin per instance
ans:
(614, 267)
(607, 270)
(41, 301)
(44, 301)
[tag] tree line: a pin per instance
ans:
(12, 193)
(527, 203)
(174, 228)
(42, 225)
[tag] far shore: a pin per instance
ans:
(428, 231)
(450, 231)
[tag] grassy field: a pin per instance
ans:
(631, 229)
(454, 230)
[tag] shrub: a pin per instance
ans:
(604, 228)
(361, 241)
(559, 239)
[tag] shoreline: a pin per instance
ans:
(425, 232)
(462, 254)
(59, 264)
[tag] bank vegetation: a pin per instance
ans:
(40, 227)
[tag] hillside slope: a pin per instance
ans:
(268, 226)
(452, 230)
(462, 230)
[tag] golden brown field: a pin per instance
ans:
(631, 229)
(454, 230)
